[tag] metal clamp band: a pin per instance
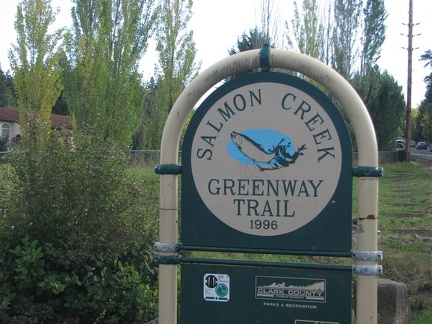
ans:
(365, 270)
(166, 247)
(168, 169)
(167, 259)
(367, 255)
(363, 171)
(265, 58)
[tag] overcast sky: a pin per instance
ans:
(217, 25)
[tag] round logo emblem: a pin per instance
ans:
(266, 158)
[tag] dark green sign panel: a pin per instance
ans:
(267, 164)
(232, 295)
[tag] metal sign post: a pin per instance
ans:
(367, 257)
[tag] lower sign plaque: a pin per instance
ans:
(246, 294)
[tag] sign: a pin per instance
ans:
(265, 295)
(267, 163)
(216, 287)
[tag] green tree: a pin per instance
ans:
(255, 39)
(422, 120)
(427, 56)
(149, 133)
(347, 15)
(384, 100)
(34, 61)
(175, 68)
(176, 50)
(374, 34)
(415, 126)
(426, 124)
(7, 90)
(103, 85)
(270, 21)
(60, 107)
(305, 32)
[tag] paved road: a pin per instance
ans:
(425, 155)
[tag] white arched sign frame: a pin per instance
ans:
(366, 307)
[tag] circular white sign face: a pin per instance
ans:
(266, 159)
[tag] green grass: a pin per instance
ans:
(423, 317)
(406, 258)
(405, 188)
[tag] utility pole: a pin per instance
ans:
(409, 84)
(409, 81)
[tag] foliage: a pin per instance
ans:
(305, 32)
(423, 317)
(373, 34)
(415, 126)
(38, 286)
(103, 86)
(426, 124)
(7, 90)
(176, 49)
(427, 56)
(345, 35)
(406, 254)
(175, 69)
(424, 112)
(149, 134)
(383, 98)
(73, 237)
(423, 120)
(270, 22)
(255, 39)
(3, 143)
(34, 60)
(64, 196)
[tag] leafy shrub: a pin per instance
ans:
(38, 288)
(3, 143)
(73, 241)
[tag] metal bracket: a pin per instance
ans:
(167, 259)
(367, 255)
(168, 169)
(363, 171)
(365, 270)
(265, 58)
(166, 247)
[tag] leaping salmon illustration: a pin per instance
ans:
(266, 159)
(251, 149)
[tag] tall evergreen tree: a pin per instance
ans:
(385, 102)
(7, 90)
(424, 117)
(255, 39)
(427, 57)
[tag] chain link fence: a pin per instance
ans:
(146, 158)
(151, 158)
(385, 157)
